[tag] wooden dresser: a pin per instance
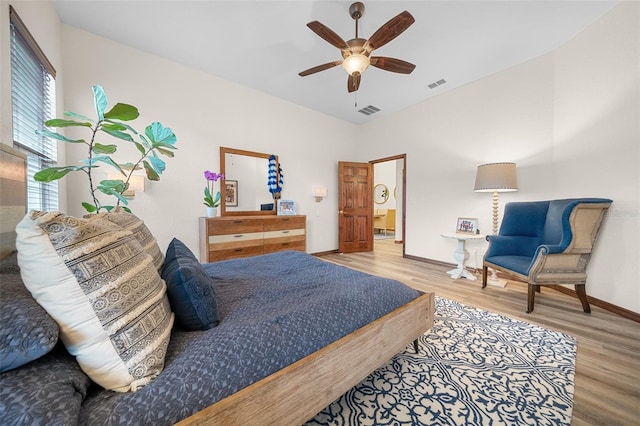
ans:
(229, 237)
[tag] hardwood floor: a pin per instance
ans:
(607, 381)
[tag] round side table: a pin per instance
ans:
(461, 254)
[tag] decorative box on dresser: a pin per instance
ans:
(228, 237)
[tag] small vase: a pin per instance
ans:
(211, 212)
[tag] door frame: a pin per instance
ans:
(403, 198)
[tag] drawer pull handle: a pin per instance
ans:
(238, 236)
(237, 221)
(285, 232)
(237, 250)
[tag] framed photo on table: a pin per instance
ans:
(286, 207)
(231, 193)
(467, 225)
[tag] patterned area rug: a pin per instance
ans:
(474, 368)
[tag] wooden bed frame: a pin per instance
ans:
(299, 391)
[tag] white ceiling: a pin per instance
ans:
(264, 44)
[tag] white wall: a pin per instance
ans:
(569, 119)
(385, 174)
(206, 112)
(43, 23)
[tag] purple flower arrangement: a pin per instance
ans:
(211, 177)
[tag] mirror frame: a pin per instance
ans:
(223, 204)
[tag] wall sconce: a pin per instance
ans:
(320, 192)
(136, 183)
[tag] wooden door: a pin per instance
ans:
(355, 186)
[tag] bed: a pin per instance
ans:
(294, 333)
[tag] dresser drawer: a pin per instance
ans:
(234, 226)
(284, 222)
(242, 240)
(288, 245)
(235, 253)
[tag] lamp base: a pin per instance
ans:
(497, 283)
(494, 281)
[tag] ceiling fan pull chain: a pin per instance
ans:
(356, 97)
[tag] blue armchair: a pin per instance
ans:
(546, 243)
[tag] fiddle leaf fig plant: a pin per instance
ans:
(156, 140)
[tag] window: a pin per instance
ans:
(33, 103)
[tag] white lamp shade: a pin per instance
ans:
(496, 177)
(355, 64)
(320, 191)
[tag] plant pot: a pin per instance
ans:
(211, 212)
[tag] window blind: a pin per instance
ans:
(33, 103)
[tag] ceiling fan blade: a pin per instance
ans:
(328, 34)
(392, 29)
(319, 68)
(353, 82)
(392, 64)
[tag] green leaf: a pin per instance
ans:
(122, 112)
(145, 142)
(55, 173)
(125, 125)
(59, 122)
(129, 166)
(156, 132)
(117, 134)
(113, 192)
(158, 165)
(163, 145)
(151, 173)
(107, 160)
(89, 207)
(113, 126)
(78, 116)
(141, 148)
(166, 152)
(48, 133)
(98, 148)
(113, 184)
(99, 101)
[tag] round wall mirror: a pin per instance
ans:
(380, 193)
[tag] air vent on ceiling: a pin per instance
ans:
(369, 110)
(437, 83)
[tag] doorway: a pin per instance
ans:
(389, 201)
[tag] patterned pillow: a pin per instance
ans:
(94, 278)
(190, 289)
(47, 391)
(132, 223)
(27, 332)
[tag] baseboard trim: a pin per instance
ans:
(618, 310)
(323, 253)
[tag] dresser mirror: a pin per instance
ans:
(244, 189)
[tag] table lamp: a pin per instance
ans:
(496, 177)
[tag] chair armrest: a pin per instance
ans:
(510, 245)
(548, 249)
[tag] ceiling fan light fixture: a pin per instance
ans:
(355, 63)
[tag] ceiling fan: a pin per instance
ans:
(356, 53)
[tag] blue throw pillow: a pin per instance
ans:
(189, 288)
(27, 332)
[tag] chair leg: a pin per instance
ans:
(484, 276)
(531, 296)
(582, 295)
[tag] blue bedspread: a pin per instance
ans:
(275, 309)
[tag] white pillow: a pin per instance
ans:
(96, 281)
